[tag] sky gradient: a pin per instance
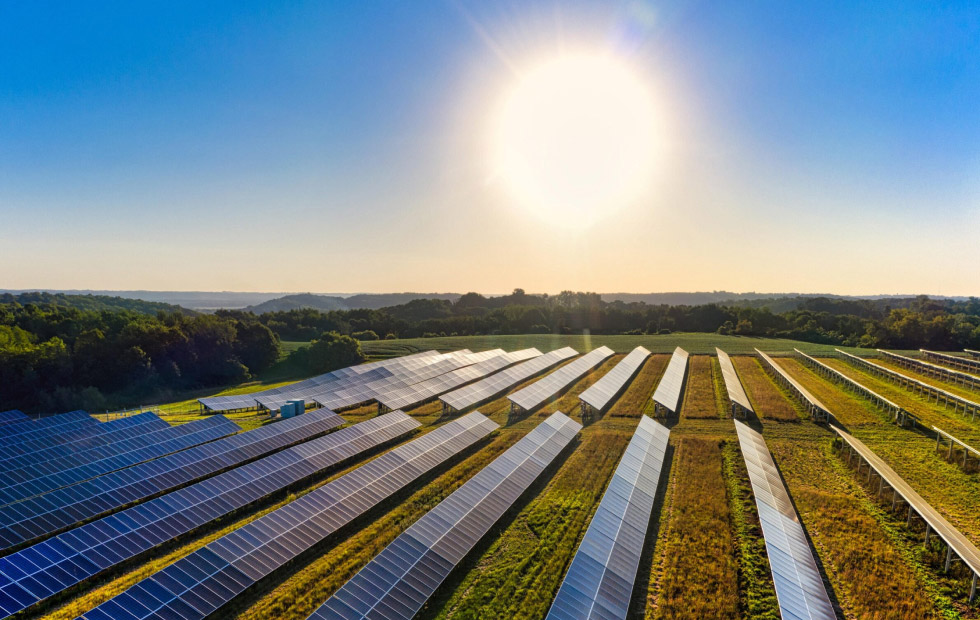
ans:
(344, 147)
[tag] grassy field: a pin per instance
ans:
(704, 557)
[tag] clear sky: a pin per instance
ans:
(348, 146)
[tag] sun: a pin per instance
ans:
(576, 138)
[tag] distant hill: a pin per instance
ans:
(785, 301)
(95, 303)
(325, 303)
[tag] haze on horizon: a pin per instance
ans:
(334, 147)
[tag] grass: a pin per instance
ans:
(769, 401)
(636, 399)
(700, 398)
(956, 388)
(698, 573)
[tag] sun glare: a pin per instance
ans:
(576, 138)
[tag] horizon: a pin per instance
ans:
(244, 148)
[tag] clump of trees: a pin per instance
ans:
(55, 357)
(328, 352)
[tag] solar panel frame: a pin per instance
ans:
(667, 396)
(398, 581)
(602, 574)
(964, 363)
(598, 396)
(741, 406)
(41, 516)
(12, 416)
(972, 352)
(800, 589)
(818, 411)
(490, 387)
(87, 551)
(542, 390)
(933, 370)
(75, 468)
(202, 582)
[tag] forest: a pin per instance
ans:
(65, 351)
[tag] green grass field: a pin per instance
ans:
(704, 557)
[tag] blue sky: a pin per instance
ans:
(829, 147)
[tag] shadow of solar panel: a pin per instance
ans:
(545, 388)
(204, 581)
(799, 587)
(496, 384)
(74, 468)
(33, 518)
(31, 453)
(398, 581)
(601, 393)
(78, 554)
(599, 581)
(45, 427)
(668, 392)
(297, 390)
(736, 392)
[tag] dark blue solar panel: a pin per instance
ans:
(44, 427)
(204, 581)
(75, 468)
(397, 582)
(88, 550)
(30, 453)
(49, 513)
(12, 416)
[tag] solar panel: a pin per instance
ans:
(49, 513)
(31, 453)
(600, 394)
(542, 390)
(248, 401)
(398, 581)
(667, 396)
(963, 363)
(933, 370)
(419, 393)
(45, 427)
(600, 579)
(76, 467)
(967, 449)
(800, 589)
(11, 416)
(46, 568)
(972, 353)
(496, 384)
(741, 405)
(916, 386)
(381, 388)
(201, 583)
(818, 411)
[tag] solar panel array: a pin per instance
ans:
(963, 363)
(600, 394)
(953, 443)
(818, 411)
(667, 396)
(933, 370)
(542, 390)
(11, 416)
(201, 583)
(741, 405)
(369, 391)
(426, 390)
(800, 589)
(78, 466)
(600, 579)
(956, 542)
(46, 568)
(901, 416)
(496, 384)
(31, 453)
(398, 581)
(49, 513)
(920, 387)
(45, 427)
(973, 353)
(248, 401)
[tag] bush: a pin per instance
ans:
(390, 336)
(367, 334)
(332, 351)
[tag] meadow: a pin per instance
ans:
(704, 555)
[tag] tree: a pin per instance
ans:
(365, 335)
(332, 351)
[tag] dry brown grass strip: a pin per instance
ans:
(699, 394)
(767, 399)
(633, 401)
